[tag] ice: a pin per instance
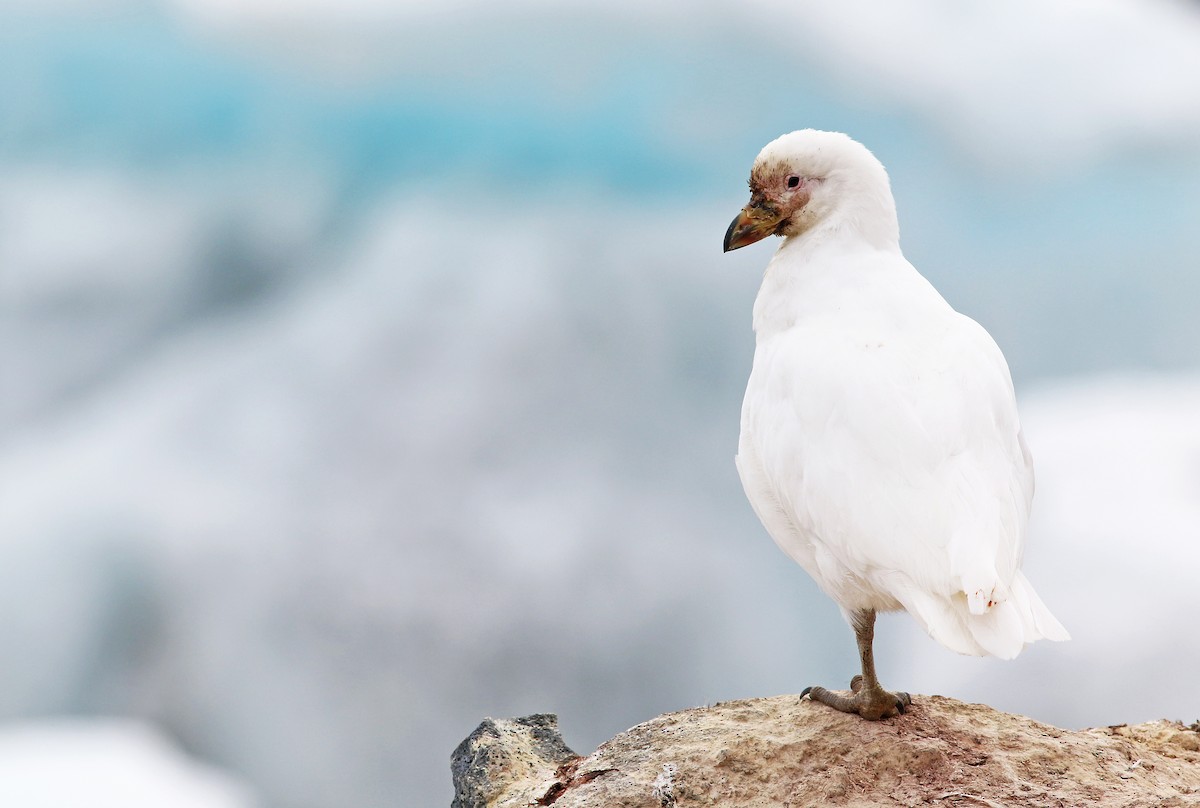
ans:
(1029, 86)
(368, 369)
(100, 265)
(320, 540)
(106, 763)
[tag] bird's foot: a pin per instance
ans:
(870, 703)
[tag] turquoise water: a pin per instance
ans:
(545, 104)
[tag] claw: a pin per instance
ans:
(871, 705)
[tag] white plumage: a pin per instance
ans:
(880, 443)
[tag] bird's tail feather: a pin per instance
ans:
(1039, 622)
(942, 622)
(1001, 631)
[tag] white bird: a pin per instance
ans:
(880, 444)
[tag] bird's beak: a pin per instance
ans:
(756, 221)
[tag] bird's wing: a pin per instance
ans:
(891, 451)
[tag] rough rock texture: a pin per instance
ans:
(785, 751)
(502, 757)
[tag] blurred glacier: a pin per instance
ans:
(106, 764)
(370, 368)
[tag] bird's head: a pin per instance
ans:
(808, 177)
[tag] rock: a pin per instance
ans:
(785, 751)
(505, 758)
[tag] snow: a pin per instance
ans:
(106, 764)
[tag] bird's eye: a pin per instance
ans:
(793, 181)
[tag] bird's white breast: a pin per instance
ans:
(879, 438)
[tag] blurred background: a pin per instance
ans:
(369, 368)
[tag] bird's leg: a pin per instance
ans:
(869, 700)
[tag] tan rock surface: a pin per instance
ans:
(785, 751)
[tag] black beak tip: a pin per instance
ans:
(729, 236)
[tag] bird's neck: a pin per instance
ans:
(841, 250)
(827, 268)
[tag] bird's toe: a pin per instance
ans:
(872, 704)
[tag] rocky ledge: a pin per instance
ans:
(787, 751)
